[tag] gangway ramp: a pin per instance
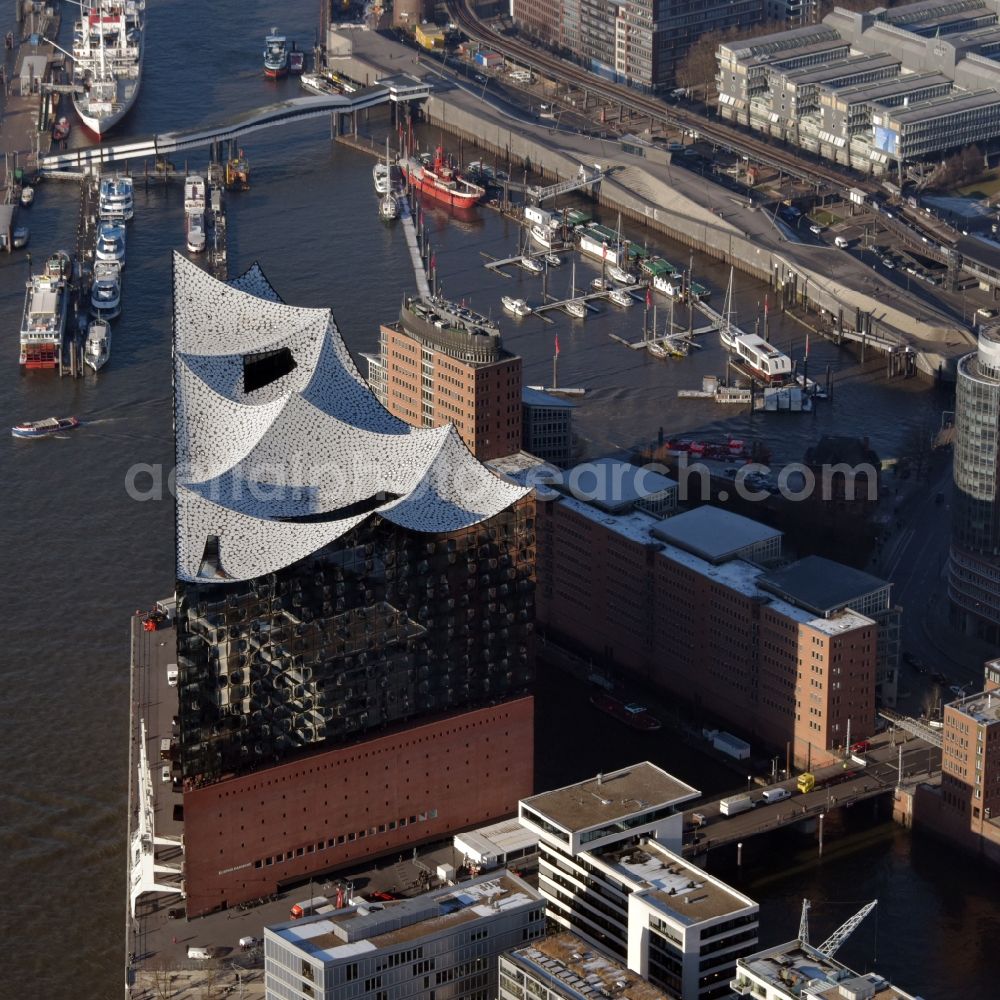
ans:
(390, 90)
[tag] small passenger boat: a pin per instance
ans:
(27, 195)
(577, 308)
(532, 265)
(43, 428)
(621, 298)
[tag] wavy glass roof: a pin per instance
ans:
(281, 446)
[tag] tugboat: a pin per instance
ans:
(632, 714)
(275, 55)
(60, 130)
(43, 428)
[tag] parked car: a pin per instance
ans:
(816, 230)
(862, 746)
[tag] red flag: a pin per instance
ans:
(557, 345)
(649, 296)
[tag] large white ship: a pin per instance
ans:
(107, 62)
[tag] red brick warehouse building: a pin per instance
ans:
(354, 607)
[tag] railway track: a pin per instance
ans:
(721, 135)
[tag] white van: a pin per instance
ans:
(773, 795)
(841, 242)
(172, 674)
(195, 951)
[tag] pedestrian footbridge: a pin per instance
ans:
(396, 89)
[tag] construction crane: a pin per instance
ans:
(832, 944)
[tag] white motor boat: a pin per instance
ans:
(621, 298)
(553, 260)
(110, 243)
(532, 265)
(599, 285)
(620, 275)
(194, 193)
(577, 308)
(380, 177)
(27, 195)
(116, 202)
(542, 235)
(97, 349)
(195, 226)
(106, 290)
(518, 307)
(388, 208)
(20, 237)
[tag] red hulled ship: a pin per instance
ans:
(442, 182)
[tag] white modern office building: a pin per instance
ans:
(797, 970)
(611, 872)
(873, 90)
(443, 944)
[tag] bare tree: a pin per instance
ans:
(161, 979)
(209, 982)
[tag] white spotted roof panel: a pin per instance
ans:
(277, 473)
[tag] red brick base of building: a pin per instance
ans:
(249, 836)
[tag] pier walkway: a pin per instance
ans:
(392, 89)
(410, 232)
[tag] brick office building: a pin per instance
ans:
(680, 604)
(443, 364)
(354, 607)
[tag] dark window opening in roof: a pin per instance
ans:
(211, 563)
(266, 367)
(365, 506)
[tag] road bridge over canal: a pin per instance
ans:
(396, 89)
(893, 761)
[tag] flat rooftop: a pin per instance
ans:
(612, 796)
(713, 533)
(984, 708)
(789, 967)
(499, 839)
(538, 397)
(681, 890)
(573, 968)
(366, 927)
(820, 585)
(613, 484)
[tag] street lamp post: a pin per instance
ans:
(821, 834)
(749, 781)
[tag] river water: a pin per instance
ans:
(80, 556)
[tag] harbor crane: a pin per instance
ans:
(832, 944)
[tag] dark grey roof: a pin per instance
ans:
(820, 585)
(712, 533)
(538, 397)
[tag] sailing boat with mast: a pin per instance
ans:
(107, 62)
(727, 332)
(388, 206)
(577, 308)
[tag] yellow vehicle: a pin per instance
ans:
(806, 782)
